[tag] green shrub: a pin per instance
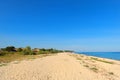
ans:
(43, 52)
(19, 50)
(2, 53)
(26, 53)
(33, 53)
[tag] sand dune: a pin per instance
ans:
(62, 66)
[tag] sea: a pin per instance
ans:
(109, 55)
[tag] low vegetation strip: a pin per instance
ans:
(10, 53)
(102, 60)
(19, 57)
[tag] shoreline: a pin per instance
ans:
(99, 55)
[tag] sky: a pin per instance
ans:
(80, 25)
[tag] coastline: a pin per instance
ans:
(63, 66)
(108, 55)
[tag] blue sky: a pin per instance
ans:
(82, 25)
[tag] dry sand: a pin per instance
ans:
(62, 66)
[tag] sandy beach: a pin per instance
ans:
(62, 66)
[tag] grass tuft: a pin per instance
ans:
(102, 60)
(94, 69)
(111, 73)
(86, 66)
(3, 64)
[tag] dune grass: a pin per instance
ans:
(109, 62)
(18, 57)
(3, 64)
(86, 66)
(111, 73)
(94, 69)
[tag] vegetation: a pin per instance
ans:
(86, 66)
(111, 73)
(102, 60)
(19, 50)
(94, 69)
(68, 51)
(9, 49)
(3, 64)
(28, 51)
(11, 53)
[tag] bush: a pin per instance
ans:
(10, 48)
(2, 53)
(33, 53)
(42, 52)
(26, 53)
(19, 50)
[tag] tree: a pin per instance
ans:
(43, 49)
(28, 48)
(10, 48)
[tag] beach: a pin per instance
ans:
(62, 66)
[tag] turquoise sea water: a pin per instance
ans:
(110, 55)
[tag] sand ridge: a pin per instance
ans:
(62, 66)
